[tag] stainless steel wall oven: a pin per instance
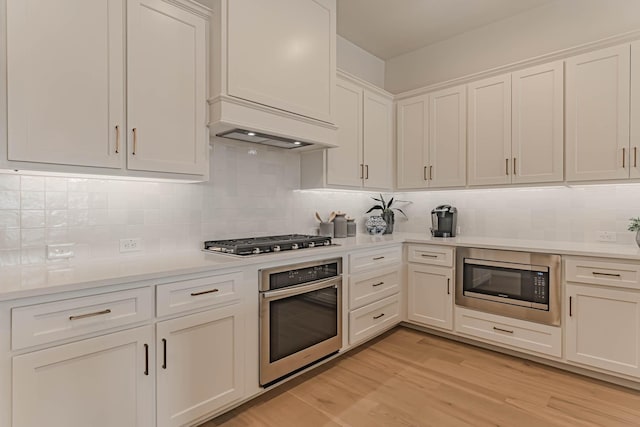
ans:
(300, 316)
(513, 284)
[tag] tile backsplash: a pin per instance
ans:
(254, 191)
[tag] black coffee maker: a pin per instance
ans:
(443, 221)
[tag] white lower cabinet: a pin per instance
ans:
(100, 382)
(199, 364)
(603, 328)
(373, 318)
(430, 296)
(505, 331)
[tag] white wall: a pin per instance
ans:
(359, 62)
(557, 25)
(571, 214)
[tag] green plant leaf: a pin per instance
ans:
(376, 207)
(402, 212)
(390, 203)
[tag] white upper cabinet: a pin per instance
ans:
(65, 81)
(378, 140)
(282, 54)
(516, 127)
(167, 88)
(447, 138)
(597, 115)
(432, 135)
(537, 124)
(66, 73)
(364, 152)
(412, 117)
(490, 131)
(634, 148)
(344, 163)
(274, 68)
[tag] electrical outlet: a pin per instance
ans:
(60, 251)
(130, 245)
(606, 236)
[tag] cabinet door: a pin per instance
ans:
(430, 299)
(537, 137)
(413, 142)
(448, 138)
(377, 134)
(65, 76)
(597, 115)
(98, 382)
(490, 131)
(282, 53)
(200, 364)
(603, 328)
(166, 88)
(635, 111)
(344, 163)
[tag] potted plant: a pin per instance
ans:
(387, 212)
(635, 226)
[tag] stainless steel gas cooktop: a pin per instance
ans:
(267, 244)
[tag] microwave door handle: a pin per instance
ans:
(301, 289)
(508, 265)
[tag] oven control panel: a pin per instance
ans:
(540, 292)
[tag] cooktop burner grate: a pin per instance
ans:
(259, 245)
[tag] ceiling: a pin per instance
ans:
(388, 28)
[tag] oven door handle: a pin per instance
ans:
(303, 289)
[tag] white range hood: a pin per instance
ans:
(278, 85)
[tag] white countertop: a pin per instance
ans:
(25, 281)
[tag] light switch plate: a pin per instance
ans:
(606, 236)
(130, 245)
(60, 251)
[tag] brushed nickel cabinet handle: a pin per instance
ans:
(514, 166)
(624, 155)
(135, 141)
(84, 316)
(424, 174)
(378, 316)
(210, 291)
(164, 353)
(502, 330)
(117, 139)
(570, 304)
(361, 171)
(635, 157)
(506, 166)
(429, 256)
(597, 273)
(366, 173)
(448, 283)
(146, 359)
(377, 284)
(431, 173)
(378, 257)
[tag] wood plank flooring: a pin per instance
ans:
(407, 378)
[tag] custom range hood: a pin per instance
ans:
(278, 85)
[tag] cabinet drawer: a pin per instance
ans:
(532, 337)
(43, 323)
(367, 321)
(602, 272)
(366, 288)
(367, 260)
(184, 295)
(433, 255)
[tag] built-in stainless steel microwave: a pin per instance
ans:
(514, 284)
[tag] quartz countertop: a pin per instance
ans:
(26, 281)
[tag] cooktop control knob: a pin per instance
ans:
(276, 248)
(327, 242)
(294, 246)
(312, 245)
(256, 251)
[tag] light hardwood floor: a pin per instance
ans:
(408, 378)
